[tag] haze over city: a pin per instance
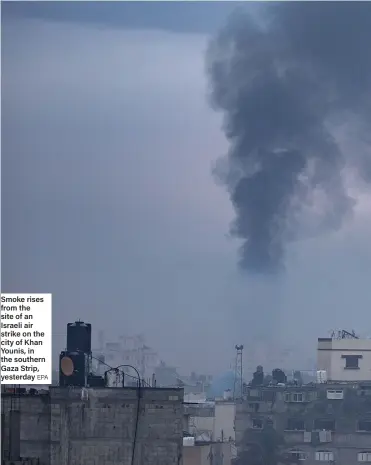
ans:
(110, 199)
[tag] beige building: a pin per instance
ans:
(223, 428)
(210, 421)
(344, 359)
(214, 453)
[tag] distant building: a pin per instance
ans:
(167, 376)
(130, 350)
(347, 359)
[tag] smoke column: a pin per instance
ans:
(283, 83)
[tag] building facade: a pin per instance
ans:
(312, 423)
(100, 426)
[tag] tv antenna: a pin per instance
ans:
(343, 334)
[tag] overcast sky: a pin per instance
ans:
(108, 200)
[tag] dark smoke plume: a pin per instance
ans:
(283, 83)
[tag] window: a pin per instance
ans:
(324, 456)
(351, 361)
(298, 455)
(294, 397)
(364, 425)
(324, 424)
(295, 424)
(335, 394)
(254, 406)
(364, 457)
(257, 423)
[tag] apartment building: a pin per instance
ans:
(316, 423)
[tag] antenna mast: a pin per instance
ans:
(238, 374)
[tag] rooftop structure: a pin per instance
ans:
(345, 358)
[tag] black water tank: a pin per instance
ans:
(279, 376)
(79, 337)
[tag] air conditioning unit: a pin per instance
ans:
(335, 394)
(325, 436)
(188, 441)
(321, 376)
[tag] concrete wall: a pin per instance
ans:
(331, 353)
(97, 426)
(33, 437)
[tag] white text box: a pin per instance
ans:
(26, 338)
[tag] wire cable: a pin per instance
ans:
(138, 412)
(117, 369)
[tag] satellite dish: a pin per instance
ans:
(67, 367)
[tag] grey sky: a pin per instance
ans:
(108, 199)
(192, 17)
